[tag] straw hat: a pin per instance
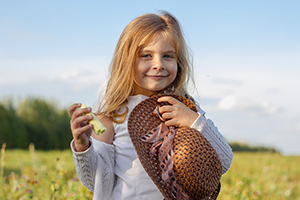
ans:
(197, 167)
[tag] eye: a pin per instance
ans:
(168, 56)
(146, 56)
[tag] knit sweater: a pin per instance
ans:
(113, 171)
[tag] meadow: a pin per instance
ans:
(31, 174)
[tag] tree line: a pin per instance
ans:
(241, 147)
(35, 120)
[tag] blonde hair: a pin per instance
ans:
(138, 33)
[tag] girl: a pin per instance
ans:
(151, 57)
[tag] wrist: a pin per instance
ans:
(79, 147)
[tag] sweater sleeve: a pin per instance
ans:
(207, 128)
(95, 167)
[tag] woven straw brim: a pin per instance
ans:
(197, 166)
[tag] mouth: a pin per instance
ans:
(157, 76)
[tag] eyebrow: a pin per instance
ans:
(168, 51)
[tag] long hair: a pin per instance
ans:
(138, 33)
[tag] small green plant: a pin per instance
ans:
(2, 159)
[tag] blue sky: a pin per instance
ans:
(246, 58)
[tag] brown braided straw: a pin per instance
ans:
(197, 167)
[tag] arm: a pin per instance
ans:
(207, 128)
(95, 167)
(94, 158)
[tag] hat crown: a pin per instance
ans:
(197, 167)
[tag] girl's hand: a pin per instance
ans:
(81, 129)
(177, 114)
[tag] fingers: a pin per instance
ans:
(176, 114)
(77, 133)
(167, 109)
(81, 129)
(73, 107)
(79, 120)
(172, 122)
(169, 99)
(167, 112)
(74, 112)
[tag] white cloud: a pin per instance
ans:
(83, 78)
(81, 72)
(264, 109)
(270, 108)
(69, 75)
(248, 107)
(228, 102)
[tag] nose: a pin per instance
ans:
(158, 64)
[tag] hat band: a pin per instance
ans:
(162, 138)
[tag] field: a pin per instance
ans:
(51, 175)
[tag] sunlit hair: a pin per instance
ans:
(136, 35)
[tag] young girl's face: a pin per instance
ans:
(155, 67)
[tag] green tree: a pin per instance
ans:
(34, 120)
(12, 127)
(242, 147)
(47, 126)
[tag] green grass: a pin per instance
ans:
(40, 175)
(262, 176)
(51, 175)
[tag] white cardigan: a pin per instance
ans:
(115, 172)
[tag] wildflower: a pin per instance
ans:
(28, 191)
(72, 194)
(11, 176)
(62, 172)
(75, 179)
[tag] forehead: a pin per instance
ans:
(159, 41)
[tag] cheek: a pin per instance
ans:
(139, 72)
(174, 75)
(139, 68)
(174, 71)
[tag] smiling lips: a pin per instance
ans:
(157, 77)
